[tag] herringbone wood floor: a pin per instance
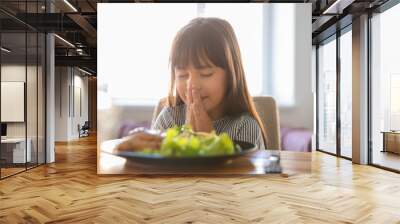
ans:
(70, 191)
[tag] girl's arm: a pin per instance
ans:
(250, 131)
(163, 121)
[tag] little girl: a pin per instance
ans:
(208, 88)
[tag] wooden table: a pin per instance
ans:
(253, 164)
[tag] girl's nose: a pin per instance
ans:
(194, 86)
(193, 82)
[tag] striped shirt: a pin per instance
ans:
(241, 128)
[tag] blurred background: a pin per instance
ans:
(133, 72)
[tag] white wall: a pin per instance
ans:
(62, 98)
(80, 109)
(71, 93)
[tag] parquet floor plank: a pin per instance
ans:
(70, 191)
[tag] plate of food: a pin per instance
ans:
(181, 146)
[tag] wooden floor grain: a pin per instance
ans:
(70, 191)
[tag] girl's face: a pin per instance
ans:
(210, 81)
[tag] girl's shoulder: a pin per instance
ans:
(174, 114)
(169, 116)
(246, 128)
(173, 109)
(244, 120)
(245, 117)
(247, 120)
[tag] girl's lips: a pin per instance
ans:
(203, 97)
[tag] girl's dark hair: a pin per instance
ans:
(212, 42)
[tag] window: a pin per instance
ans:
(22, 76)
(346, 94)
(141, 46)
(394, 101)
(246, 21)
(385, 85)
(327, 96)
(279, 50)
(334, 138)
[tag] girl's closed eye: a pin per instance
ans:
(182, 76)
(208, 74)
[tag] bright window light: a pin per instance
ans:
(133, 55)
(246, 20)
